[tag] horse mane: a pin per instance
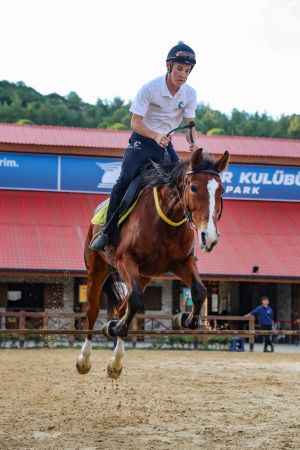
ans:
(158, 174)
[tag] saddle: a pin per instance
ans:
(127, 204)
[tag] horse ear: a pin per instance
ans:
(223, 162)
(196, 158)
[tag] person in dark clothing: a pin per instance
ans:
(264, 316)
(159, 107)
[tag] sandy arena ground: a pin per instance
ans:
(163, 400)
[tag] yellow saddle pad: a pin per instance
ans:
(100, 215)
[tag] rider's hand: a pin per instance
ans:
(193, 147)
(162, 140)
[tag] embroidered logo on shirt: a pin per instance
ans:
(181, 105)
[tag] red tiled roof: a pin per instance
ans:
(111, 139)
(46, 231)
(253, 233)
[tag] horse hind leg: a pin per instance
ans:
(116, 300)
(120, 327)
(97, 274)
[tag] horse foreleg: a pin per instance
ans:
(115, 366)
(97, 273)
(189, 275)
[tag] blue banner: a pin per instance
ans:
(28, 171)
(256, 182)
(95, 175)
(89, 174)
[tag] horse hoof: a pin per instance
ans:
(179, 321)
(113, 372)
(108, 329)
(83, 367)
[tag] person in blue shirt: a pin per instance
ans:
(264, 315)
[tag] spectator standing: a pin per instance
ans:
(264, 315)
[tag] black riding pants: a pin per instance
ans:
(139, 152)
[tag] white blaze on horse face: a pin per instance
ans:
(208, 235)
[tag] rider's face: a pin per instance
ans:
(180, 73)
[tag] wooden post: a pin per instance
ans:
(135, 327)
(252, 338)
(22, 326)
(2, 321)
(45, 327)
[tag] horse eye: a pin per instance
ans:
(193, 188)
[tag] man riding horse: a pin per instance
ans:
(160, 106)
(176, 204)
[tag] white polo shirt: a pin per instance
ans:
(161, 111)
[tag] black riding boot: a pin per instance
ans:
(106, 235)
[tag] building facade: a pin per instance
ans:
(52, 178)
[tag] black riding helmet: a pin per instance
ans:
(182, 53)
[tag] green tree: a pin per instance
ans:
(22, 104)
(294, 127)
(24, 122)
(215, 132)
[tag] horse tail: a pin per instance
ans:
(116, 294)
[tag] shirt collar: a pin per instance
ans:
(165, 90)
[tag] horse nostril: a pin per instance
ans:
(203, 237)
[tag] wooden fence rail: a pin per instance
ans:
(158, 326)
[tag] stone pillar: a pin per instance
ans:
(167, 301)
(68, 297)
(60, 298)
(284, 304)
(167, 297)
(53, 296)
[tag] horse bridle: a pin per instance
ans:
(187, 213)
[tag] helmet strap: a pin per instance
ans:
(170, 68)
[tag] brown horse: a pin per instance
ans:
(158, 237)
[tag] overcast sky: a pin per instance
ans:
(248, 51)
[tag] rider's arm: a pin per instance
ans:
(139, 127)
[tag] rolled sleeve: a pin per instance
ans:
(255, 311)
(191, 106)
(141, 102)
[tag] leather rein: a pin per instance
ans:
(187, 213)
